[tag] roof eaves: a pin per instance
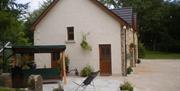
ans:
(39, 49)
(122, 8)
(111, 13)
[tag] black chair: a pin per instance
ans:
(87, 81)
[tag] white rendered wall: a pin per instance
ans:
(86, 17)
(43, 61)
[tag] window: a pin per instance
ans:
(70, 33)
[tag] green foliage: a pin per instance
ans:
(129, 70)
(15, 9)
(11, 24)
(9, 89)
(110, 3)
(141, 50)
(84, 44)
(158, 22)
(67, 63)
(6, 63)
(126, 86)
(33, 16)
(36, 13)
(56, 89)
(86, 71)
(161, 55)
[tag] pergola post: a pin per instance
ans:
(64, 68)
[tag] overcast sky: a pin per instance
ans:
(34, 4)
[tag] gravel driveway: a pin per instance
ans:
(157, 75)
(150, 75)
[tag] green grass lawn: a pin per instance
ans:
(8, 89)
(161, 55)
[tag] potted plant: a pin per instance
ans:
(129, 70)
(86, 71)
(126, 86)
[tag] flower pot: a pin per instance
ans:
(126, 90)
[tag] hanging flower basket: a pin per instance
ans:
(84, 44)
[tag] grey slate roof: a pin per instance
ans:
(125, 13)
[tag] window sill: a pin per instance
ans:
(70, 42)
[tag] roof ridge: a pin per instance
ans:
(45, 12)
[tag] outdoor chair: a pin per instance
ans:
(88, 81)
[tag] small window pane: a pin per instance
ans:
(70, 32)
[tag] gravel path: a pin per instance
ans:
(157, 75)
(150, 75)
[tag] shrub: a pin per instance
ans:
(126, 86)
(86, 71)
(67, 63)
(129, 70)
(141, 50)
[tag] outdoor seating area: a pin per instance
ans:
(100, 83)
(21, 76)
(22, 64)
(88, 81)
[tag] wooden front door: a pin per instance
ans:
(105, 59)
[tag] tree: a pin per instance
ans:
(157, 22)
(36, 13)
(112, 3)
(33, 16)
(11, 25)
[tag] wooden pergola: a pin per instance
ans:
(42, 49)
